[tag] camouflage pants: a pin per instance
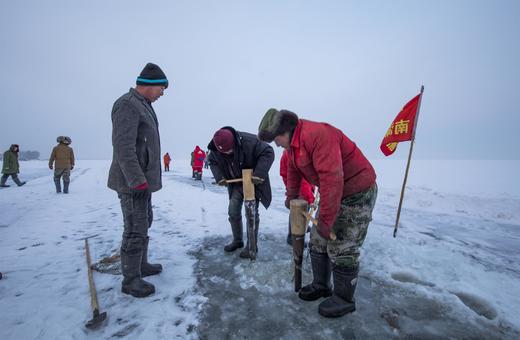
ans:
(62, 172)
(137, 217)
(350, 227)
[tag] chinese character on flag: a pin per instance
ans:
(401, 128)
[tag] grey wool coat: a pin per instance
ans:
(136, 143)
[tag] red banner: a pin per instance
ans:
(402, 127)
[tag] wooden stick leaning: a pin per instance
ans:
(97, 318)
(250, 207)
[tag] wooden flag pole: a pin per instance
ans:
(408, 163)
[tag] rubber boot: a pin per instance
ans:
(57, 183)
(65, 187)
(320, 286)
(148, 269)
(2, 182)
(237, 229)
(342, 301)
(245, 252)
(17, 181)
(131, 268)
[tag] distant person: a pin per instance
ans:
(11, 167)
(231, 152)
(198, 156)
(135, 173)
(62, 157)
(306, 190)
(167, 159)
(327, 158)
(206, 165)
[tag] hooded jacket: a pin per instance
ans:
(10, 165)
(249, 153)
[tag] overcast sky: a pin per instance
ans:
(352, 64)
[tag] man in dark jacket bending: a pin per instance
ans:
(232, 151)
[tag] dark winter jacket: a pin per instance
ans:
(327, 158)
(137, 148)
(10, 165)
(63, 156)
(249, 153)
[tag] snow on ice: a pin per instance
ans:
(452, 272)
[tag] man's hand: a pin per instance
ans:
(140, 191)
(50, 167)
(288, 203)
(223, 183)
(325, 232)
(257, 180)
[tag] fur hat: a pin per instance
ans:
(276, 123)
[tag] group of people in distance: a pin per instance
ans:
(316, 155)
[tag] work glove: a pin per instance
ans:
(50, 167)
(140, 191)
(223, 183)
(257, 180)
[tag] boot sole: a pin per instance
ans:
(350, 310)
(137, 295)
(305, 298)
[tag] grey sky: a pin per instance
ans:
(352, 64)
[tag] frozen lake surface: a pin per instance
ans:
(453, 270)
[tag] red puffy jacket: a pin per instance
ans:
(306, 190)
(198, 157)
(327, 158)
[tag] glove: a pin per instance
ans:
(140, 191)
(71, 167)
(324, 231)
(288, 203)
(257, 180)
(50, 167)
(223, 183)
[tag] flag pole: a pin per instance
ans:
(408, 163)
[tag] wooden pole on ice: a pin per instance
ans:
(408, 163)
(250, 207)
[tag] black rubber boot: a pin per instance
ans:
(2, 182)
(237, 230)
(342, 301)
(65, 187)
(57, 183)
(320, 286)
(17, 181)
(245, 252)
(131, 268)
(148, 269)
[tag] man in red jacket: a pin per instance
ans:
(306, 190)
(198, 162)
(326, 158)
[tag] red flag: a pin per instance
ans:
(402, 127)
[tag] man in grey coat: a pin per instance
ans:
(135, 173)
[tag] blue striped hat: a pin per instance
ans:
(152, 75)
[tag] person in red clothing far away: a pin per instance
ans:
(325, 157)
(198, 162)
(306, 189)
(167, 159)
